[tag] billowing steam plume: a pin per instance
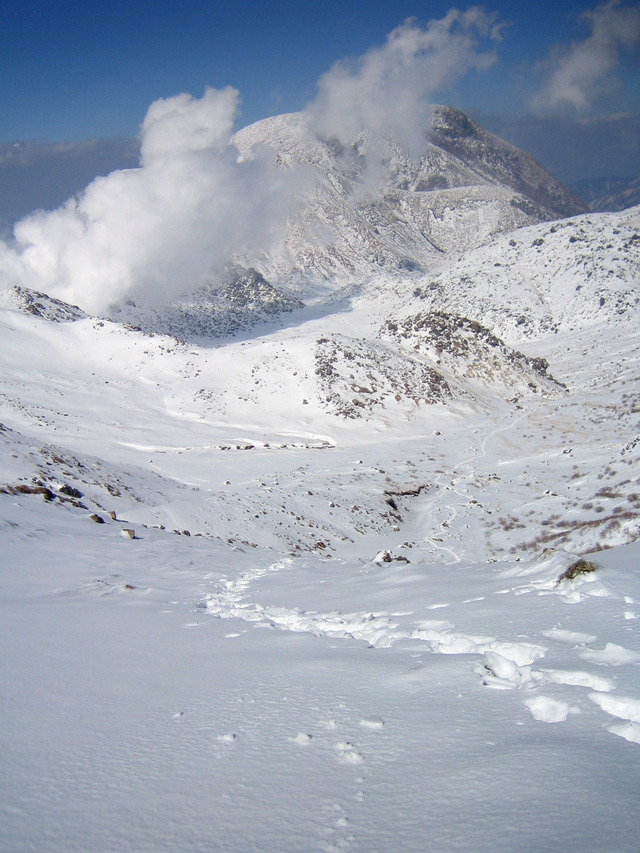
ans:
(165, 228)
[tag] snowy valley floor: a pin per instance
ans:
(361, 645)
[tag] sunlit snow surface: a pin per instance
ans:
(312, 667)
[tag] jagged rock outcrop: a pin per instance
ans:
(40, 305)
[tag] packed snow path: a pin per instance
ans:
(557, 653)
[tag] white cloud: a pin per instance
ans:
(576, 75)
(165, 228)
(387, 91)
(181, 125)
(156, 231)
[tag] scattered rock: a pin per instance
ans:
(70, 491)
(97, 518)
(46, 493)
(580, 567)
(388, 557)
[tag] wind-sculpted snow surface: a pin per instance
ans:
(245, 700)
(361, 575)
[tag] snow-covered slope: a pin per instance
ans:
(392, 361)
(576, 273)
(253, 587)
(362, 215)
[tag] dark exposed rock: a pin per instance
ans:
(580, 567)
(70, 491)
(38, 489)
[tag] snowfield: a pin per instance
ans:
(330, 584)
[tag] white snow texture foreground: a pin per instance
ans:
(364, 577)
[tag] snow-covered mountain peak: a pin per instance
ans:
(365, 212)
(499, 162)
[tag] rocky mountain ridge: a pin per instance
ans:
(362, 216)
(243, 301)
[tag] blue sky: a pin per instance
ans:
(565, 84)
(75, 70)
(554, 78)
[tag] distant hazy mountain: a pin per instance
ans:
(608, 194)
(34, 176)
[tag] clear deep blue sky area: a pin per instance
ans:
(72, 71)
(75, 70)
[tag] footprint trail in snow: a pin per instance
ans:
(566, 670)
